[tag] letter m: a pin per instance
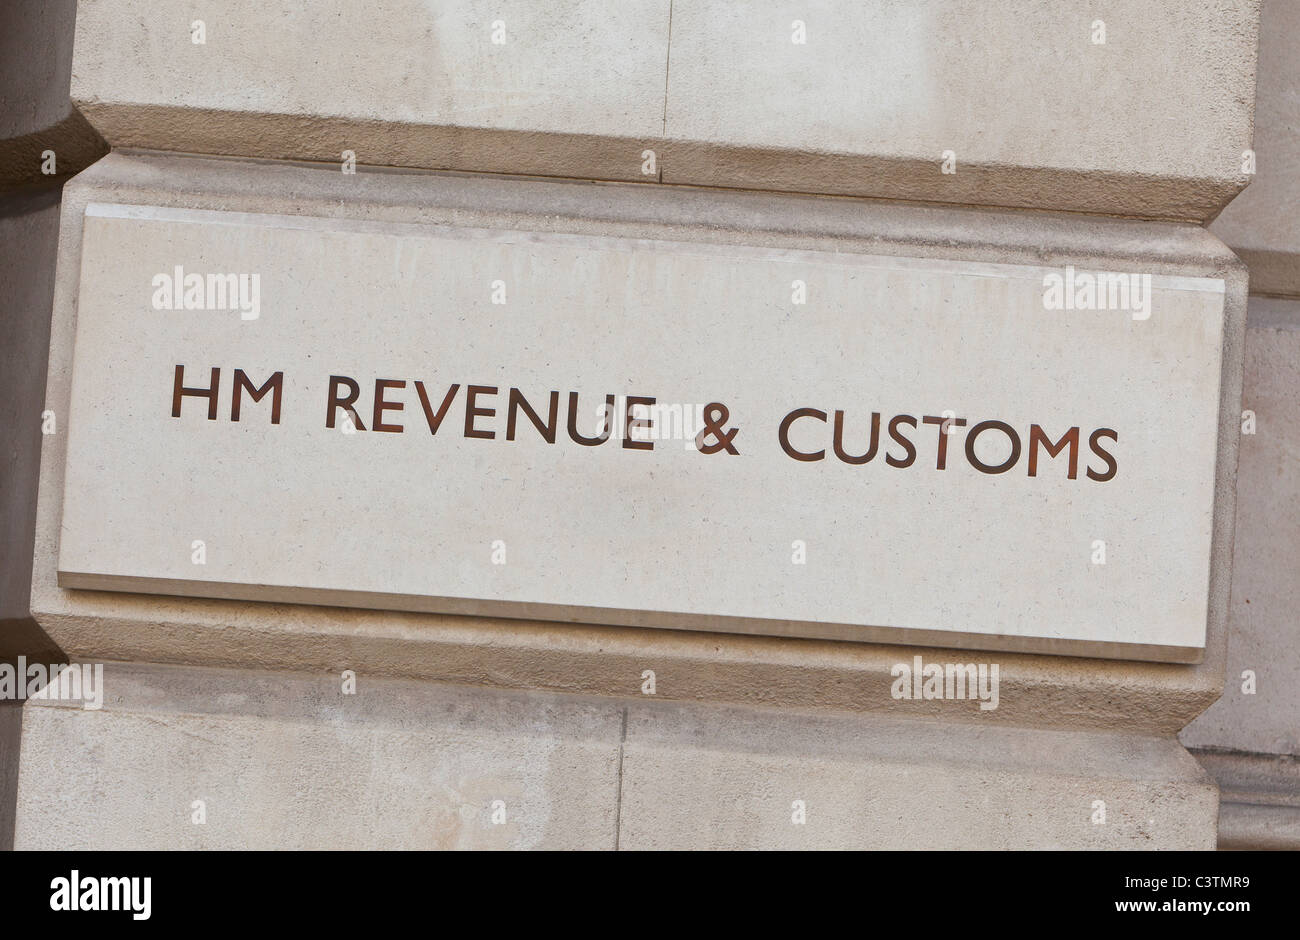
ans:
(1038, 437)
(274, 384)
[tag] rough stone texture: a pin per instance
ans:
(1036, 690)
(1152, 123)
(703, 778)
(288, 761)
(1263, 632)
(1262, 225)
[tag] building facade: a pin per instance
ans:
(662, 424)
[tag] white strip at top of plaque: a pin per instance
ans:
(648, 433)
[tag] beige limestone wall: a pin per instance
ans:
(1262, 224)
(245, 759)
(1260, 713)
(602, 660)
(1250, 739)
(1137, 109)
(453, 713)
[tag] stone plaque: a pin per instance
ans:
(647, 433)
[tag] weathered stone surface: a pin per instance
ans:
(1042, 690)
(711, 778)
(1060, 504)
(1261, 712)
(1045, 120)
(1262, 225)
(291, 762)
(1036, 111)
(575, 88)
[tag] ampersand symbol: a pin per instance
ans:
(715, 416)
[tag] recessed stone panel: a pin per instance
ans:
(420, 412)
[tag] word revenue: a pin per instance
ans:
(804, 434)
